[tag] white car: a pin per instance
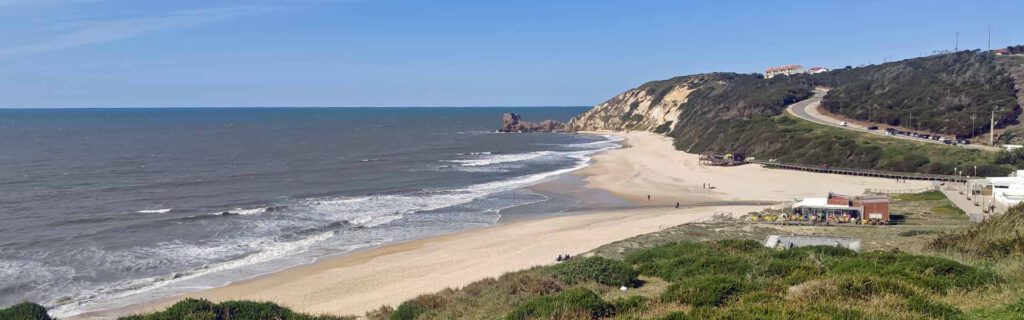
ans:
(843, 123)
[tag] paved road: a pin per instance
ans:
(808, 110)
(973, 212)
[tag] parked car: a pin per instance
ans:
(872, 127)
(925, 136)
(967, 141)
(842, 123)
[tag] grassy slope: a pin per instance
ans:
(789, 139)
(743, 113)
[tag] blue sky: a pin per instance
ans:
(187, 53)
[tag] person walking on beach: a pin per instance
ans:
(677, 205)
(648, 197)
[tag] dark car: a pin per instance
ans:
(872, 127)
(966, 142)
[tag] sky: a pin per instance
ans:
(346, 53)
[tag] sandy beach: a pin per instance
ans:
(646, 165)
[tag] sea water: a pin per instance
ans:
(100, 208)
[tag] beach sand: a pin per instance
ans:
(647, 165)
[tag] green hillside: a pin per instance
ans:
(940, 93)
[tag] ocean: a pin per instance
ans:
(106, 207)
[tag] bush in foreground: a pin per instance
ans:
(24, 311)
(575, 303)
(201, 309)
(601, 270)
(702, 291)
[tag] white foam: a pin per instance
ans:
(370, 211)
(499, 158)
(366, 211)
(155, 210)
(270, 250)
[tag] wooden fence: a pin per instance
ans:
(863, 172)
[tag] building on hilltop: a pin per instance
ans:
(783, 70)
(1001, 51)
(839, 208)
(817, 70)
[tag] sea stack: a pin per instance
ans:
(511, 122)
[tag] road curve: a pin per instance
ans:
(808, 110)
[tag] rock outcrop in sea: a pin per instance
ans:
(511, 122)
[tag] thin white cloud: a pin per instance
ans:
(90, 32)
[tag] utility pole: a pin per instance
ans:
(956, 46)
(992, 128)
(989, 38)
(974, 125)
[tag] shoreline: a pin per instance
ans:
(647, 165)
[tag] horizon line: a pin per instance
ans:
(291, 107)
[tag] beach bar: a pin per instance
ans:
(839, 208)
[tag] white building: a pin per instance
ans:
(783, 70)
(997, 194)
(817, 70)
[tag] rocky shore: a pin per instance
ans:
(511, 122)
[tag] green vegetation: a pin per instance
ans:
(736, 280)
(604, 271)
(729, 112)
(937, 93)
(198, 309)
(788, 139)
(576, 303)
(923, 196)
(1000, 236)
(24, 311)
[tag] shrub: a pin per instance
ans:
(202, 309)
(528, 283)
(24, 311)
(704, 290)
(630, 304)
(601, 270)
(864, 287)
(929, 273)
(998, 237)
(932, 309)
(575, 301)
(676, 316)
(408, 310)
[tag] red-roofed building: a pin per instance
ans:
(839, 208)
(783, 70)
(1001, 52)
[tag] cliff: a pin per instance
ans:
(691, 104)
(511, 122)
(652, 106)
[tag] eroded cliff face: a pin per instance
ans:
(653, 106)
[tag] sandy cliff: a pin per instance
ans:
(653, 106)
